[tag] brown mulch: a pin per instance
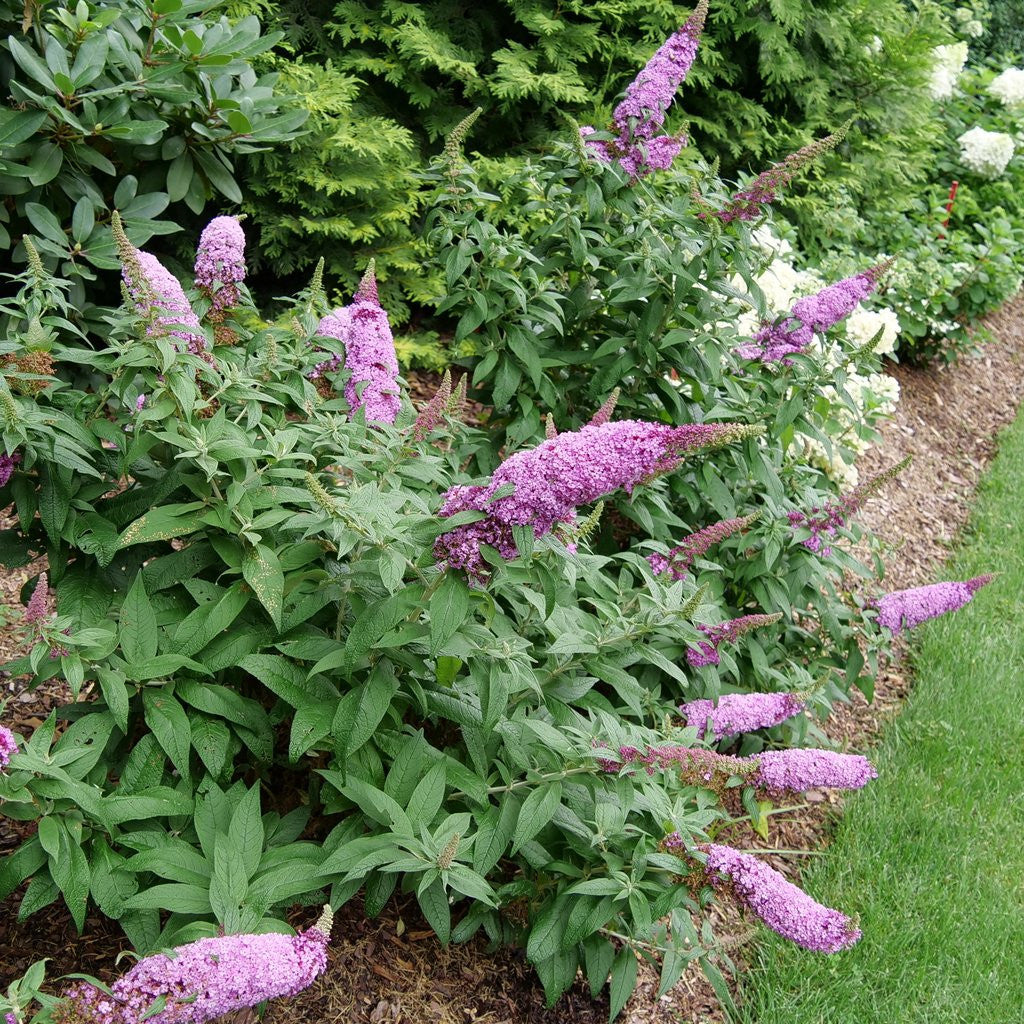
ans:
(391, 970)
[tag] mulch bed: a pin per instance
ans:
(390, 970)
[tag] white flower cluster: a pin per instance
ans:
(1008, 87)
(863, 324)
(969, 24)
(986, 152)
(949, 63)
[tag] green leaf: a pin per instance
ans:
(137, 628)
(70, 870)
(154, 802)
(546, 932)
(212, 741)
(427, 798)
(164, 523)
(556, 974)
(245, 833)
(494, 834)
(312, 722)
(537, 810)
(361, 710)
(285, 679)
(449, 606)
(111, 886)
(115, 693)
(262, 571)
(18, 125)
(54, 502)
(206, 622)
(167, 719)
(623, 982)
(433, 902)
(176, 897)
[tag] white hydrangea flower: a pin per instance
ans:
(949, 63)
(986, 152)
(1008, 87)
(863, 324)
(974, 28)
(767, 241)
(779, 283)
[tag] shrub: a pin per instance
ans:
(139, 107)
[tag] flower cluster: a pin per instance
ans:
(905, 609)
(818, 312)
(8, 746)
(562, 473)
(1008, 87)
(220, 262)
(749, 203)
(782, 906)
(797, 770)
(204, 979)
(157, 293)
(775, 771)
(740, 712)
(949, 63)
(824, 521)
(641, 115)
(38, 606)
(706, 651)
(370, 358)
(864, 325)
(986, 153)
(678, 561)
(7, 464)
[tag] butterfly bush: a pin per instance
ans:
(905, 609)
(641, 115)
(572, 469)
(706, 651)
(220, 262)
(781, 905)
(38, 606)
(987, 153)
(740, 712)
(370, 358)
(749, 203)
(810, 314)
(797, 770)
(7, 464)
(1008, 87)
(8, 746)
(679, 559)
(205, 979)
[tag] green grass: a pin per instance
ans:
(931, 854)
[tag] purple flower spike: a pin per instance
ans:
(38, 606)
(571, 469)
(706, 652)
(797, 770)
(160, 293)
(905, 609)
(741, 712)
(784, 907)
(638, 119)
(205, 979)
(7, 464)
(220, 261)
(696, 545)
(8, 746)
(818, 312)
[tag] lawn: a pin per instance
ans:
(931, 855)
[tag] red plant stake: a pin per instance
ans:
(949, 207)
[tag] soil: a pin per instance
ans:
(391, 970)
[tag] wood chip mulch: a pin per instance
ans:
(390, 970)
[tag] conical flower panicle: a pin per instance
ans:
(782, 906)
(604, 414)
(452, 153)
(430, 415)
(8, 746)
(740, 712)
(813, 313)
(706, 651)
(550, 430)
(825, 521)
(637, 146)
(797, 770)
(678, 561)
(202, 980)
(572, 469)
(906, 609)
(220, 262)
(749, 203)
(7, 464)
(367, 290)
(38, 607)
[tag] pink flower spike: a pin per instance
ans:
(741, 712)
(797, 770)
(8, 746)
(38, 606)
(220, 261)
(781, 905)
(906, 609)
